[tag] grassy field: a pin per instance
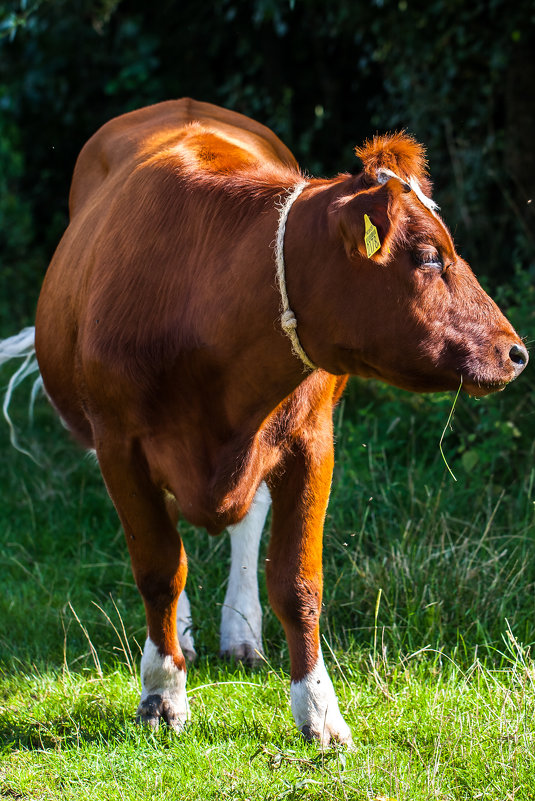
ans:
(428, 618)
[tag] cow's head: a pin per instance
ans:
(410, 312)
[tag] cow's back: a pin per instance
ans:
(126, 141)
(114, 275)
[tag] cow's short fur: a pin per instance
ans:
(160, 344)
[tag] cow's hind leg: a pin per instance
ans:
(241, 616)
(184, 625)
(160, 567)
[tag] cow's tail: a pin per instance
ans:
(20, 346)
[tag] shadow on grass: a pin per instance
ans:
(78, 729)
(53, 710)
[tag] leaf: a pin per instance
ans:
(469, 460)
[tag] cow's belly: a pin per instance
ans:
(213, 486)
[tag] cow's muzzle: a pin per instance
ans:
(511, 360)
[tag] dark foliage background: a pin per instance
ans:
(324, 75)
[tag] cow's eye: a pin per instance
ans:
(429, 259)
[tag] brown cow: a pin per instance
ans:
(197, 324)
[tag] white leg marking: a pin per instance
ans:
(241, 616)
(184, 626)
(315, 707)
(163, 693)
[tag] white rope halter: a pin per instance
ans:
(287, 319)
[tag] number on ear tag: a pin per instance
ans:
(371, 237)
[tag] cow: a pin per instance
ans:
(196, 326)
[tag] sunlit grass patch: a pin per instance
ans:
(421, 731)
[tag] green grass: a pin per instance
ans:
(428, 618)
(420, 732)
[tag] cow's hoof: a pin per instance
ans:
(246, 653)
(154, 709)
(328, 736)
(190, 655)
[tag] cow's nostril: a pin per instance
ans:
(519, 355)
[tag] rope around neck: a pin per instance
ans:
(287, 319)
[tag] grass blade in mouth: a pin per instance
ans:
(445, 429)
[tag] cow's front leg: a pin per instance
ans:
(294, 579)
(241, 616)
(159, 565)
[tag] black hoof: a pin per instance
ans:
(154, 708)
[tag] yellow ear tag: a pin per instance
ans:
(371, 237)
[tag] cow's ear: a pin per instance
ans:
(357, 216)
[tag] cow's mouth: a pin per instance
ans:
(481, 389)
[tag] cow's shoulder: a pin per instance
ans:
(306, 414)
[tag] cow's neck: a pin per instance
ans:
(265, 368)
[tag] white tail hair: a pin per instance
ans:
(20, 346)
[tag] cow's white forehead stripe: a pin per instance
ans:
(384, 174)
